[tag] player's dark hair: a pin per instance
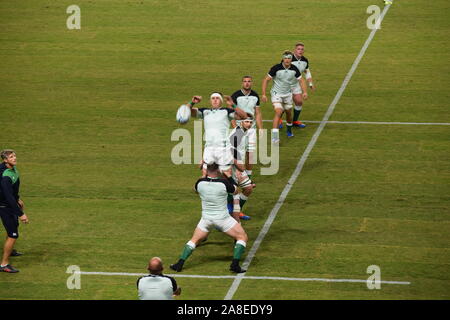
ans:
(5, 153)
(299, 44)
(212, 167)
(247, 77)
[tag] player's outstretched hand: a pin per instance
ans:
(24, 218)
(177, 292)
(305, 96)
(229, 101)
(196, 99)
(264, 98)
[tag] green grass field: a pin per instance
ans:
(90, 113)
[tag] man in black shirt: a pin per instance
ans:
(11, 206)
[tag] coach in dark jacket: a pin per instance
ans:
(11, 207)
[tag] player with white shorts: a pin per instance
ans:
(240, 142)
(302, 63)
(283, 74)
(216, 121)
(248, 100)
(213, 191)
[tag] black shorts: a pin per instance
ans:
(10, 222)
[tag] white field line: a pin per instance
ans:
(245, 277)
(380, 123)
(298, 169)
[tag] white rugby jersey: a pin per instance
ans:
(283, 78)
(247, 102)
(156, 287)
(301, 63)
(217, 125)
(214, 195)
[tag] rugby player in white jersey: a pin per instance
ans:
(302, 63)
(240, 141)
(216, 120)
(283, 74)
(248, 100)
(213, 191)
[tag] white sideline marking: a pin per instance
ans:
(298, 169)
(245, 277)
(379, 122)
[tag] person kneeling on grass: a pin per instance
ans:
(214, 192)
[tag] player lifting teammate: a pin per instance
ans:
(213, 191)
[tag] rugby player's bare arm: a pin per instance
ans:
(195, 100)
(239, 166)
(310, 80)
(304, 88)
(264, 86)
(240, 114)
(177, 292)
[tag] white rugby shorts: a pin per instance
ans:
(297, 89)
(282, 101)
(222, 156)
(222, 225)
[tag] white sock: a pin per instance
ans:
(275, 133)
(191, 244)
(242, 243)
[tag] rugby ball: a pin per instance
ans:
(183, 114)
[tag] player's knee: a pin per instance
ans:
(278, 107)
(242, 237)
(298, 100)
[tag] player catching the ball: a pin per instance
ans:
(216, 121)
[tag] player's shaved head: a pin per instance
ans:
(155, 265)
(247, 82)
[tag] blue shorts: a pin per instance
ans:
(10, 222)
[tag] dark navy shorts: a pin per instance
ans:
(10, 222)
